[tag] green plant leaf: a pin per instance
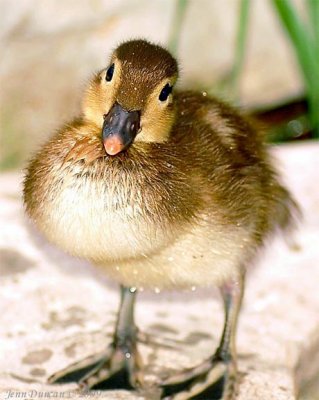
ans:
(176, 26)
(305, 45)
(240, 44)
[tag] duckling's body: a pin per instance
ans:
(185, 201)
(187, 212)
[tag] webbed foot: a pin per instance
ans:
(214, 379)
(117, 368)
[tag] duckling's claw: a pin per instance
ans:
(76, 371)
(211, 380)
(115, 369)
(119, 370)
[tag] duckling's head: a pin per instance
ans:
(131, 100)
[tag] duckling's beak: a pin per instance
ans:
(119, 129)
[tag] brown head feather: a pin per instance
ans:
(143, 65)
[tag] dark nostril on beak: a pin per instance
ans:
(133, 124)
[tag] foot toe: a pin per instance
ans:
(216, 383)
(112, 370)
(75, 372)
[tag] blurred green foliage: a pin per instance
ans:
(239, 51)
(304, 39)
(176, 26)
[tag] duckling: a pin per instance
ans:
(161, 190)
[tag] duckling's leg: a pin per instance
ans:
(120, 366)
(215, 378)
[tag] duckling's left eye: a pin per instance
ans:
(166, 91)
(109, 73)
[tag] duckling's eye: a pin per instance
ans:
(109, 73)
(166, 91)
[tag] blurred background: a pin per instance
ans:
(262, 55)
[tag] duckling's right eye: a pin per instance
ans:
(109, 73)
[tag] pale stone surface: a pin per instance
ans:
(56, 309)
(50, 49)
